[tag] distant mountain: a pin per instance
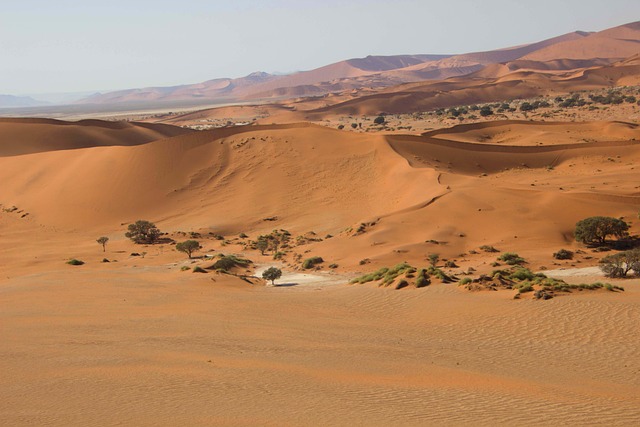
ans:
(10, 101)
(593, 49)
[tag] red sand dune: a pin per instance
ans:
(25, 136)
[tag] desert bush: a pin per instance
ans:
(596, 229)
(511, 258)
(422, 279)
(526, 106)
(312, 262)
(563, 254)
(227, 262)
(333, 265)
(525, 287)
(379, 120)
(450, 264)
(433, 259)
(441, 275)
(74, 261)
(521, 274)
(198, 269)
(273, 274)
(402, 284)
(488, 248)
(385, 274)
(188, 247)
(143, 232)
(465, 281)
(486, 111)
(184, 268)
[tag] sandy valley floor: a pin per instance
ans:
(140, 343)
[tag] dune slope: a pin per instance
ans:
(25, 136)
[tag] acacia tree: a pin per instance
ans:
(188, 247)
(596, 229)
(142, 232)
(103, 241)
(620, 264)
(272, 273)
(262, 244)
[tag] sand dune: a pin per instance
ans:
(25, 136)
(619, 42)
(500, 86)
(220, 171)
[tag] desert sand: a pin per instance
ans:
(137, 341)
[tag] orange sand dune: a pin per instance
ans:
(221, 172)
(518, 84)
(538, 133)
(24, 136)
(619, 42)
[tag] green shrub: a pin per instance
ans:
(525, 287)
(486, 111)
(311, 262)
(402, 284)
(511, 258)
(75, 262)
(422, 279)
(488, 248)
(522, 274)
(385, 274)
(465, 281)
(184, 268)
(563, 254)
(198, 269)
(227, 262)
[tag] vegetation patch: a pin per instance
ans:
(524, 281)
(388, 275)
(228, 262)
(75, 262)
(312, 262)
(563, 254)
(511, 258)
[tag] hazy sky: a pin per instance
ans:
(64, 45)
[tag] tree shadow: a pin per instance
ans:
(285, 285)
